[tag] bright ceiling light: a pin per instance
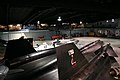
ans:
(107, 21)
(113, 20)
(59, 19)
(80, 22)
(38, 22)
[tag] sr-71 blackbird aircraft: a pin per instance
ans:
(72, 64)
(87, 63)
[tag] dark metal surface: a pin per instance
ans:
(30, 57)
(92, 47)
(17, 48)
(110, 51)
(21, 51)
(70, 60)
(3, 71)
(33, 69)
(52, 75)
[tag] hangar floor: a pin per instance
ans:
(86, 40)
(32, 70)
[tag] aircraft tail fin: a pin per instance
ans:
(17, 48)
(70, 60)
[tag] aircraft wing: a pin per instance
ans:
(92, 47)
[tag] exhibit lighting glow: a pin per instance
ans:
(107, 21)
(18, 24)
(44, 25)
(80, 22)
(73, 24)
(54, 25)
(10, 25)
(59, 19)
(38, 22)
(113, 20)
(65, 23)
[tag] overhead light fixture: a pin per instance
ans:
(38, 22)
(59, 19)
(54, 25)
(113, 20)
(107, 21)
(80, 22)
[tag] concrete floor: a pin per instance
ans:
(86, 40)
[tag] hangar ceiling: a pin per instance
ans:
(47, 11)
